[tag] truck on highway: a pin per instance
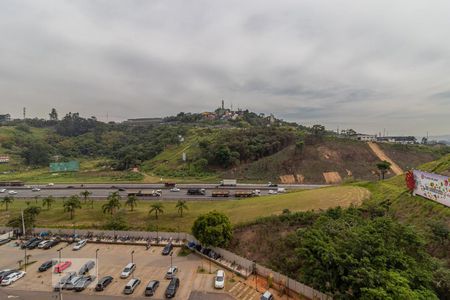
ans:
(144, 193)
(228, 182)
(169, 184)
(244, 194)
(219, 193)
(196, 191)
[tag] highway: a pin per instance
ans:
(101, 191)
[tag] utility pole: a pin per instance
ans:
(24, 113)
(59, 287)
(25, 248)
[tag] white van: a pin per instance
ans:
(219, 281)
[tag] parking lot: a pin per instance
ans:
(151, 265)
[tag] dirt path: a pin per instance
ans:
(381, 155)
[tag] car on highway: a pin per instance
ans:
(12, 193)
(273, 192)
(47, 265)
(175, 189)
(83, 283)
(128, 270)
(270, 184)
(62, 266)
(35, 189)
(131, 286)
(13, 277)
(50, 184)
(256, 192)
(219, 280)
(172, 272)
(151, 288)
(172, 288)
(89, 265)
(70, 285)
(79, 245)
(2, 190)
(103, 283)
(62, 282)
(167, 249)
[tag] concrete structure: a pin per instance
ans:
(366, 137)
(5, 118)
(397, 139)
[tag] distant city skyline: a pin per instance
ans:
(364, 65)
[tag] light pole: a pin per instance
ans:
(256, 274)
(24, 234)
(132, 260)
(171, 259)
(59, 271)
(96, 259)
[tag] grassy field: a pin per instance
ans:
(239, 211)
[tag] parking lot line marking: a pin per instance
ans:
(235, 287)
(243, 291)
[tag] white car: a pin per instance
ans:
(272, 192)
(175, 189)
(13, 277)
(12, 192)
(128, 270)
(2, 190)
(256, 192)
(51, 184)
(35, 189)
(79, 245)
(43, 243)
(219, 281)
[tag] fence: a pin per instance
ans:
(227, 256)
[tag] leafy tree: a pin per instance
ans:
(383, 167)
(116, 222)
(318, 130)
(113, 203)
(181, 205)
(29, 218)
(85, 194)
(53, 115)
(48, 201)
(156, 208)
(7, 200)
(72, 204)
(131, 201)
(37, 154)
(213, 229)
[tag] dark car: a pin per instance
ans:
(151, 287)
(86, 267)
(62, 282)
(172, 288)
(167, 249)
(52, 244)
(83, 283)
(103, 283)
(47, 265)
(25, 245)
(34, 244)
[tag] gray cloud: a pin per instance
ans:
(367, 65)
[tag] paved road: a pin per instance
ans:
(101, 191)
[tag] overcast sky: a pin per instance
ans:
(366, 65)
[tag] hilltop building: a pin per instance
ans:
(397, 139)
(5, 118)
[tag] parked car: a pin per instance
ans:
(34, 244)
(128, 270)
(89, 265)
(62, 282)
(172, 288)
(151, 287)
(167, 249)
(79, 245)
(70, 284)
(24, 245)
(2, 190)
(219, 281)
(12, 277)
(131, 286)
(172, 272)
(42, 244)
(62, 266)
(83, 283)
(5, 273)
(175, 189)
(47, 265)
(266, 296)
(12, 192)
(103, 283)
(52, 243)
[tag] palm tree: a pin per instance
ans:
(7, 200)
(71, 205)
(157, 208)
(383, 167)
(181, 205)
(85, 194)
(48, 201)
(112, 204)
(131, 201)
